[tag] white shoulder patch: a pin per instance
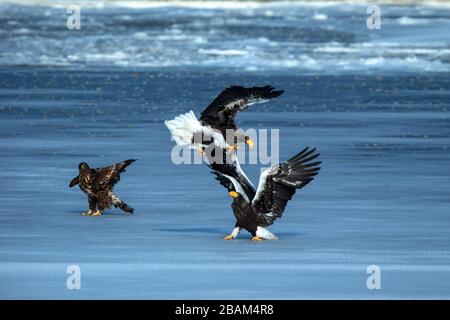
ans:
(262, 184)
(239, 169)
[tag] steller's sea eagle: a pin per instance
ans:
(98, 185)
(218, 118)
(276, 187)
(215, 121)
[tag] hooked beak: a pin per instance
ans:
(250, 143)
(233, 194)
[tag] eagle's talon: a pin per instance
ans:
(201, 151)
(87, 213)
(229, 237)
(233, 147)
(256, 238)
(96, 213)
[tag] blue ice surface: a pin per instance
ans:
(381, 197)
(375, 104)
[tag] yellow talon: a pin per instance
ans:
(200, 151)
(233, 147)
(256, 238)
(229, 237)
(96, 213)
(88, 213)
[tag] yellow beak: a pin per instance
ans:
(233, 194)
(250, 143)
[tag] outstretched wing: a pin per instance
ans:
(231, 176)
(74, 181)
(230, 183)
(278, 184)
(228, 164)
(225, 181)
(109, 176)
(222, 111)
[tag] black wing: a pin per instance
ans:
(279, 183)
(230, 183)
(109, 176)
(223, 180)
(74, 181)
(220, 114)
(228, 165)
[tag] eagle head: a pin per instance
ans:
(83, 166)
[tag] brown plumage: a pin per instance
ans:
(98, 184)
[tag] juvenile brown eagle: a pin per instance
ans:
(277, 185)
(98, 185)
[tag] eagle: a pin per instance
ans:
(221, 113)
(218, 119)
(277, 185)
(98, 184)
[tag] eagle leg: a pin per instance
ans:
(96, 213)
(92, 206)
(233, 147)
(233, 234)
(256, 238)
(201, 151)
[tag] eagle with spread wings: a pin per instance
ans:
(218, 119)
(222, 111)
(277, 185)
(98, 184)
(209, 133)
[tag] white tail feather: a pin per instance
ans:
(265, 234)
(185, 126)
